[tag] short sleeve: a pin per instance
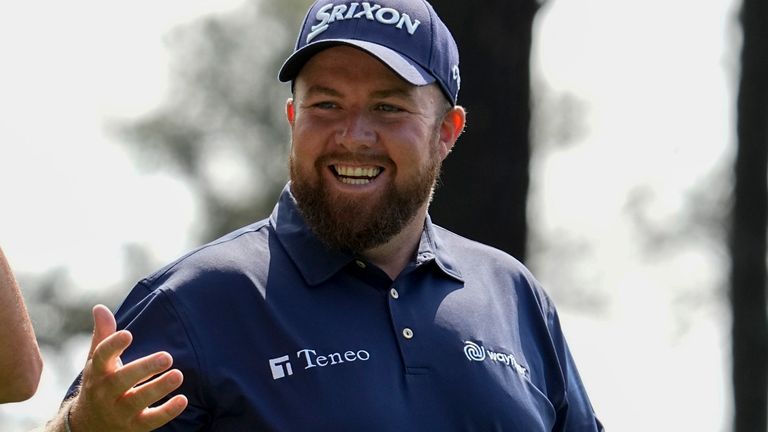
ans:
(576, 413)
(157, 325)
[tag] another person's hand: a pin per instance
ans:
(117, 397)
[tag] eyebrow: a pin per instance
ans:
(405, 92)
(379, 94)
(318, 89)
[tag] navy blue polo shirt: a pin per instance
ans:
(275, 332)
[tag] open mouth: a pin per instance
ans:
(356, 175)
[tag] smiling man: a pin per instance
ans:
(366, 153)
(347, 309)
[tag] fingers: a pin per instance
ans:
(141, 397)
(142, 369)
(114, 396)
(118, 398)
(152, 391)
(153, 418)
(105, 358)
(103, 325)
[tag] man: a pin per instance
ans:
(346, 309)
(20, 361)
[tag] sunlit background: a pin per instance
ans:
(633, 140)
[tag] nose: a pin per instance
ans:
(356, 133)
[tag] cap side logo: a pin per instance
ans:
(331, 13)
(457, 77)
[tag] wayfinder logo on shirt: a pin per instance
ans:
(309, 358)
(478, 353)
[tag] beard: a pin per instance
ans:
(356, 224)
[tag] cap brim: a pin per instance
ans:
(406, 68)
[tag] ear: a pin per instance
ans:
(290, 111)
(451, 127)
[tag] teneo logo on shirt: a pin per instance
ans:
(281, 367)
(309, 358)
(331, 13)
(478, 353)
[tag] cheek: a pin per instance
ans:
(303, 155)
(414, 148)
(305, 141)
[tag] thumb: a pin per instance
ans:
(103, 325)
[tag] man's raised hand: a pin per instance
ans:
(116, 397)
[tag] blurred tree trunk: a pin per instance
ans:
(484, 186)
(748, 231)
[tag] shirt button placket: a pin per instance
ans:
(407, 332)
(394, 294)
(402, 325)
(402, 301)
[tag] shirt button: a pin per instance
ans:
(407, 333)
(393, 292)
(360, 264)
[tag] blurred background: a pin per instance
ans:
(601, 139)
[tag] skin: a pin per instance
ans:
(20, 360)
(115, 397)
(373, 119)
(364, 110)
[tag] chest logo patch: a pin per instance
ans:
(282, 367)
(478, 353)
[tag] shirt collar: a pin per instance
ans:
(432, 247)
(317, 263)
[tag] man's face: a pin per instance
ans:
(366, 148)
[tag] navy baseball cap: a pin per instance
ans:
(406, 35)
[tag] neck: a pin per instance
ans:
(394, 255)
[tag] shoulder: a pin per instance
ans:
(479, 263)
(240, 256)
(228, 269)
(470, 253)
(232, 252)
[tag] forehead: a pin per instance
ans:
(347, 67)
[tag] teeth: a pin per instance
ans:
(348, 171)
(354, 181)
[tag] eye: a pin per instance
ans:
(325, 105)
(387, 108)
